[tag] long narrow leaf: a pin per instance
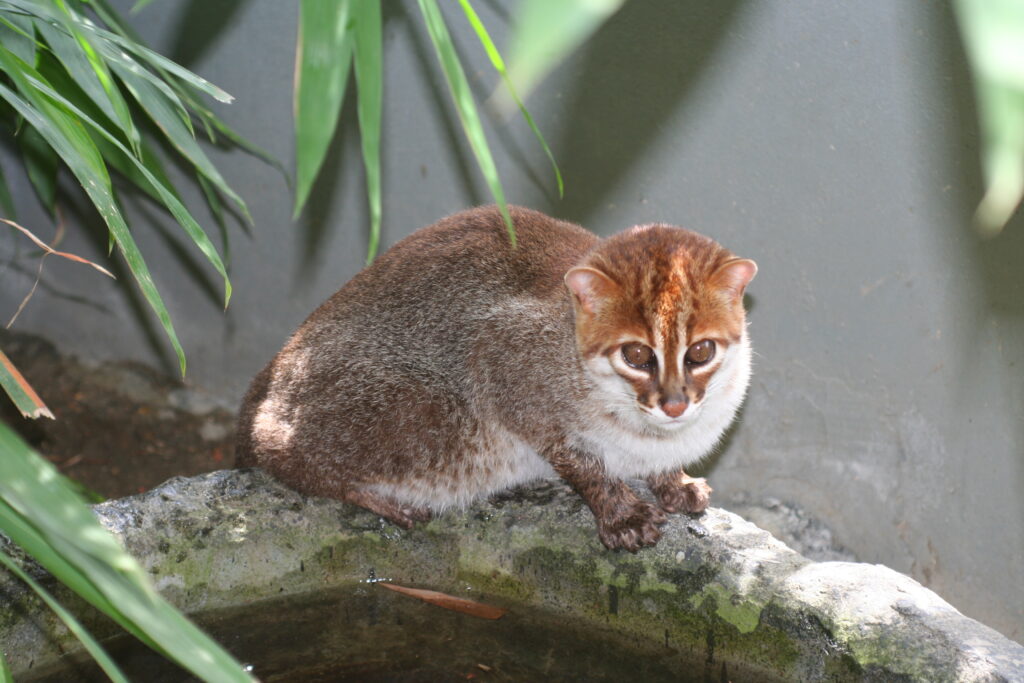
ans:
(546, 31)
(499, 65)
(165, 194)
(323, 55)
(47, 511)
(124, 65)
(17, 33)
(185, 92)
(369, 80)
(67, 137)
(25, 398)
(464, 104)
(156, 104)
(34, 542)
(5, 671)
(90, 73)
(47, 12)
(76, 628)
(217, 209)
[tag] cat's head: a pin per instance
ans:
(661, 327)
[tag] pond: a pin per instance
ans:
(372, 634)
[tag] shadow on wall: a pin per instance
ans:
(199, 27)
(625, 88)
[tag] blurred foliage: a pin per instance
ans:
(44, 516)
(993, 36)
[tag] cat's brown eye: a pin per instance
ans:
(700, 353)
(638, 356)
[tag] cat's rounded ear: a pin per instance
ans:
(733, 277)
(590, 287)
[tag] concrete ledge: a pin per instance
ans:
(717, 588)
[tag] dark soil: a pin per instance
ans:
(121, 427)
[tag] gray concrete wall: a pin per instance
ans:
(833, 142)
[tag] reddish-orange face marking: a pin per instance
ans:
(669, 308)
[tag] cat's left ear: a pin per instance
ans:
(590, 287)
(733, 277)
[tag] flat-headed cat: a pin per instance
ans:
(458, 365)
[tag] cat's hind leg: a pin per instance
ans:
(388, 508)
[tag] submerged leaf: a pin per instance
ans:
(470, 607)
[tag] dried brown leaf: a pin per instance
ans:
(50, 250)
(21, 392)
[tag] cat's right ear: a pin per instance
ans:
(590, 287)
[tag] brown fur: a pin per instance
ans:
(455, 359)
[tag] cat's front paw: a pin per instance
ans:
(683, 494)
(633, 528)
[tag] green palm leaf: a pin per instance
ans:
(161, 109)
(499, 65)
(89, 71)
(153, 180)
(322, 58)
(466, 107)
(6, 201)
(17, 32)
(68, 138)
(41, 165)
(366, 27)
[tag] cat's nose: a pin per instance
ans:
(674, 407)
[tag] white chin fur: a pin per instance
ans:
(637, 443)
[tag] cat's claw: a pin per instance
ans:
(633, 531)
(687, 494)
